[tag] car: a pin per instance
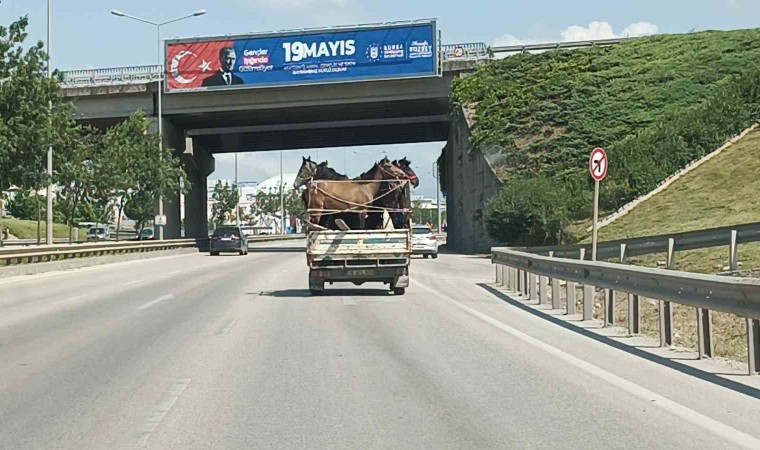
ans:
(146, 235)
(229, 239)
(98, 234)
(424, 242)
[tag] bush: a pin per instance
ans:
(533, 210)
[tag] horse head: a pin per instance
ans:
(305, 173)
(390, 170)
(406, 166)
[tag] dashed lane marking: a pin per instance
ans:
(156, 301)
(161, 409)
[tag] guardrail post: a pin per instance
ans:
(513, 279)
(543, 287)
(609, 307)
(665, 309)
(570, 296)
(556, 300)
(526, 285)
(634, 314)
(499, 280)
(733, 253)
(505, 276)
(532, 287)
(704, 333)
(753, 345)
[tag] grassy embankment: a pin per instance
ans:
(27, 229)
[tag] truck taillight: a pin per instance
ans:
(235, 236)
(433, 238)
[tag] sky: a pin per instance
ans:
(85, 35)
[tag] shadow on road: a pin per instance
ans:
(302, 293)
(259, 249)
(667, 362)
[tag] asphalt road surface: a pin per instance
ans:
(193, 351)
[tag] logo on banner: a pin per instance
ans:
(373, 52)
(392, 51)
(420, 49)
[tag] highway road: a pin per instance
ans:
(193, 351)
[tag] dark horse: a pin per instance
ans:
(325, 197)
(398, 199)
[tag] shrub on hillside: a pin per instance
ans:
(532, 210)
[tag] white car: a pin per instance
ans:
(424, 242)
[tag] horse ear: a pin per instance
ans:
(304, 158)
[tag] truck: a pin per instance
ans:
(359, 257)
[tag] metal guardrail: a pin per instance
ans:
(730, 236)
(112, 76)
(467, 51)
(16, 255)
(537, 277)
(558, 45)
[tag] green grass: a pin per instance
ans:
(721, 192)
(27, 229)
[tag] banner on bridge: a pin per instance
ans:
(377, 52)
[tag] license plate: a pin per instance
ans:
(226, 239)
(360, 273)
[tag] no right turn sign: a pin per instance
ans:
(598, 163)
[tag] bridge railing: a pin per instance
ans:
(466, 51)
(112, 76)
(536, 273)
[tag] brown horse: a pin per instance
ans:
(327, 197)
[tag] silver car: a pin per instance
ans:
(424, 242)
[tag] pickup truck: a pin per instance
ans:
(359, 257)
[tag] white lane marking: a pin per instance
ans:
(174, 272)
(725, 431)
(71, 299)
(132, 283)
(156, 301)
(161, 409)
(348, 301)
(226, 327)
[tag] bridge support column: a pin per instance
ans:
(200, 165)
(173, 138)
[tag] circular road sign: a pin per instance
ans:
(598, 163)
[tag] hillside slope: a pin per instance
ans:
(654, 103)
(723, 191)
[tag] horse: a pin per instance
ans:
(398, 199)
(357, 194)
(310, 170)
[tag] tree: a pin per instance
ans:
(132, 166)
(140, 208)
(76, 175)
(226, 199)
(33, 114)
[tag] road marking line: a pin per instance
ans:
(161, 409)
(174, 272)
(226, 327)
(71, 299)
(348, 301)
(132, 283)
(725, 431)
(156, 301)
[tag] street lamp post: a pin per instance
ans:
(158, 26)
(437, 193)
(282, 200)
(49, 213)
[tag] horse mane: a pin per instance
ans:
(328, 173)
(368, 174)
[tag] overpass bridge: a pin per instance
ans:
(396, 111)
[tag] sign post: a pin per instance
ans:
(597, 166)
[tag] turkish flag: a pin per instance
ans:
(188, 64)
